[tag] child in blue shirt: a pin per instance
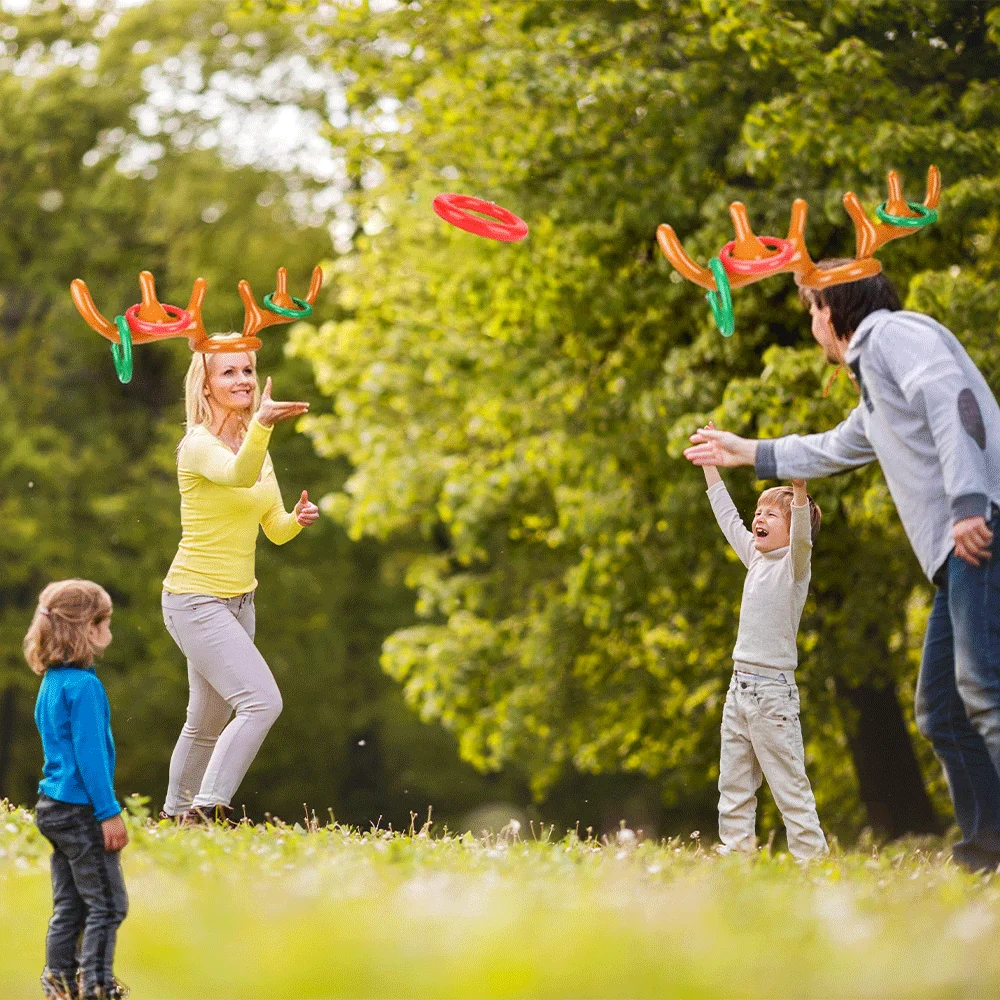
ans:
(77, 810)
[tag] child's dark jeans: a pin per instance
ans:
(88, 894)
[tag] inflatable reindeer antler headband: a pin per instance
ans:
(749, 258)
(151, 320)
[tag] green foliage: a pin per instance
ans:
(325, 911)
(87, 466)
(521, 408)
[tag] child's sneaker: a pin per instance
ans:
(116, 991)
(58, 986)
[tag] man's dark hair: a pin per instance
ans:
(852, 301)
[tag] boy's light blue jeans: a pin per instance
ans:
(958, 697)
(762, 738)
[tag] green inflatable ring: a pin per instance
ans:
(926, 216)
(122, 353)
(304, 308)
(721, 301)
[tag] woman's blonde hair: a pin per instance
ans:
(197, 412)
(60, 629)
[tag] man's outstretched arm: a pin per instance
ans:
(812, 456)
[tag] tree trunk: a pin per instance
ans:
(8, 709)
(891, 785)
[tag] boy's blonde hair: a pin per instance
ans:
(781, 496)
(196, 409)
(60, 629)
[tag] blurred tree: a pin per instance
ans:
(521, 408)
(115, 156)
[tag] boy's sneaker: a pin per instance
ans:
(58, 985)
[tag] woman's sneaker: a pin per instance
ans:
(207, 816)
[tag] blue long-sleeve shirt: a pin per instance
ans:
(74, 719)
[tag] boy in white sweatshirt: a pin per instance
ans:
(761, 734)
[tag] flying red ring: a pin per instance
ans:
(784, 251)
(182, 320)
(502, 224)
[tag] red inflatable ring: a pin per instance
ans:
(501, 224)
(784, 251)
(181, 321)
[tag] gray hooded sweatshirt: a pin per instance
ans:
(927, 415)
(775, 590)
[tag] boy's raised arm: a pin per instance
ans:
(726, 513)
(801, 529)
(730, 522)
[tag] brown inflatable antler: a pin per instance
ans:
(150, 320)
(148, 310)
(256, 319)
(747, 247)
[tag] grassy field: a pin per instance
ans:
(310, 913)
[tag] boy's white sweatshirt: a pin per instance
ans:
(775, 589)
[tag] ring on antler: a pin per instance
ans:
(925, 216)
(180, 322)
(121, 353)
(304, 308)
(784, 251)
(721, 301)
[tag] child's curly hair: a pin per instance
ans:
(782, 497)
(60, 629)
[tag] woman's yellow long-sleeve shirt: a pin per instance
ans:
(225, 498)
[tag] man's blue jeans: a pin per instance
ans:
(958, 697)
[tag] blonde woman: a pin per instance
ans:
(228, 491)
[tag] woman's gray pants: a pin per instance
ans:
(226, 674)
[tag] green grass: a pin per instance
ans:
(284, 911)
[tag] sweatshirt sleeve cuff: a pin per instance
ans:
(766, 462)
(970, 505)
(110, 810)
(256, 427)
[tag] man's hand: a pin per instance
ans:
(271, 411)
(306, 512)
(972, 540)
(712, 447)
(800, 496)
(115, 834)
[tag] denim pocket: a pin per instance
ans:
(778, 702)
(172, 629)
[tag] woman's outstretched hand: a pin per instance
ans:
(712, 447)
(271, 411)
(306, 512)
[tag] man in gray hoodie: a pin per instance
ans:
(930, 419)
